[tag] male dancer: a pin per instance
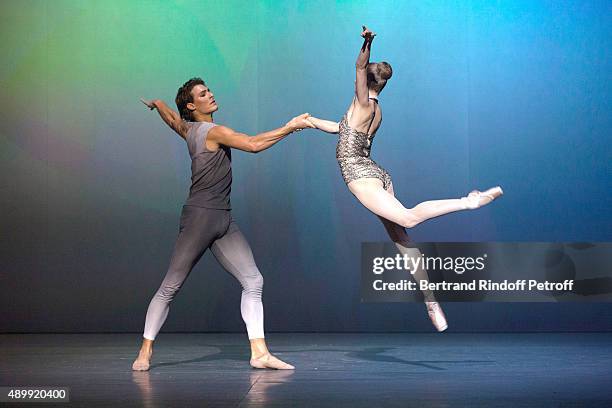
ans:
(206, 220)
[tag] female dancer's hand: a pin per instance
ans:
(312, 122)
(150, 104)
(324, 125)
(300, 122)
(367, 34)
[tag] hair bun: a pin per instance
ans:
(384, 70)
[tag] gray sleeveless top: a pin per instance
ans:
(211, 172)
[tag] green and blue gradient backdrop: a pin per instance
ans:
(515, 93)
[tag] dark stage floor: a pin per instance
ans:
(333, 370)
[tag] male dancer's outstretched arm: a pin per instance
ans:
(223, 135)
(172, 118)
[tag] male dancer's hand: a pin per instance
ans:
(150, 104)
(300, 122)
(367, 34)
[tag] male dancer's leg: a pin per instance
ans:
(234, 254)
(198, 229)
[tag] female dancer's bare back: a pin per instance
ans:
(370, 183)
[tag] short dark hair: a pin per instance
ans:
(183, 97)
(378, 73)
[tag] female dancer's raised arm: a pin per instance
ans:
(363, 59)
(361, 112)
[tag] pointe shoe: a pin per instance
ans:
(269, 361)
(477, 199)
(141, 365)
(434, 310)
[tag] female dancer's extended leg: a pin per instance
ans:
(398, 235)
(400, 238)
(370, 192)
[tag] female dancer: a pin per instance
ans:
(206, 219)
(370, 183)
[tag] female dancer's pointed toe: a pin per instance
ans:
(476, 199)
(495, 192)
(434, 310)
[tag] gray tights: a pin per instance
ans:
(200, 229)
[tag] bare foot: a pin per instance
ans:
(269, 361)
(143, 360)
